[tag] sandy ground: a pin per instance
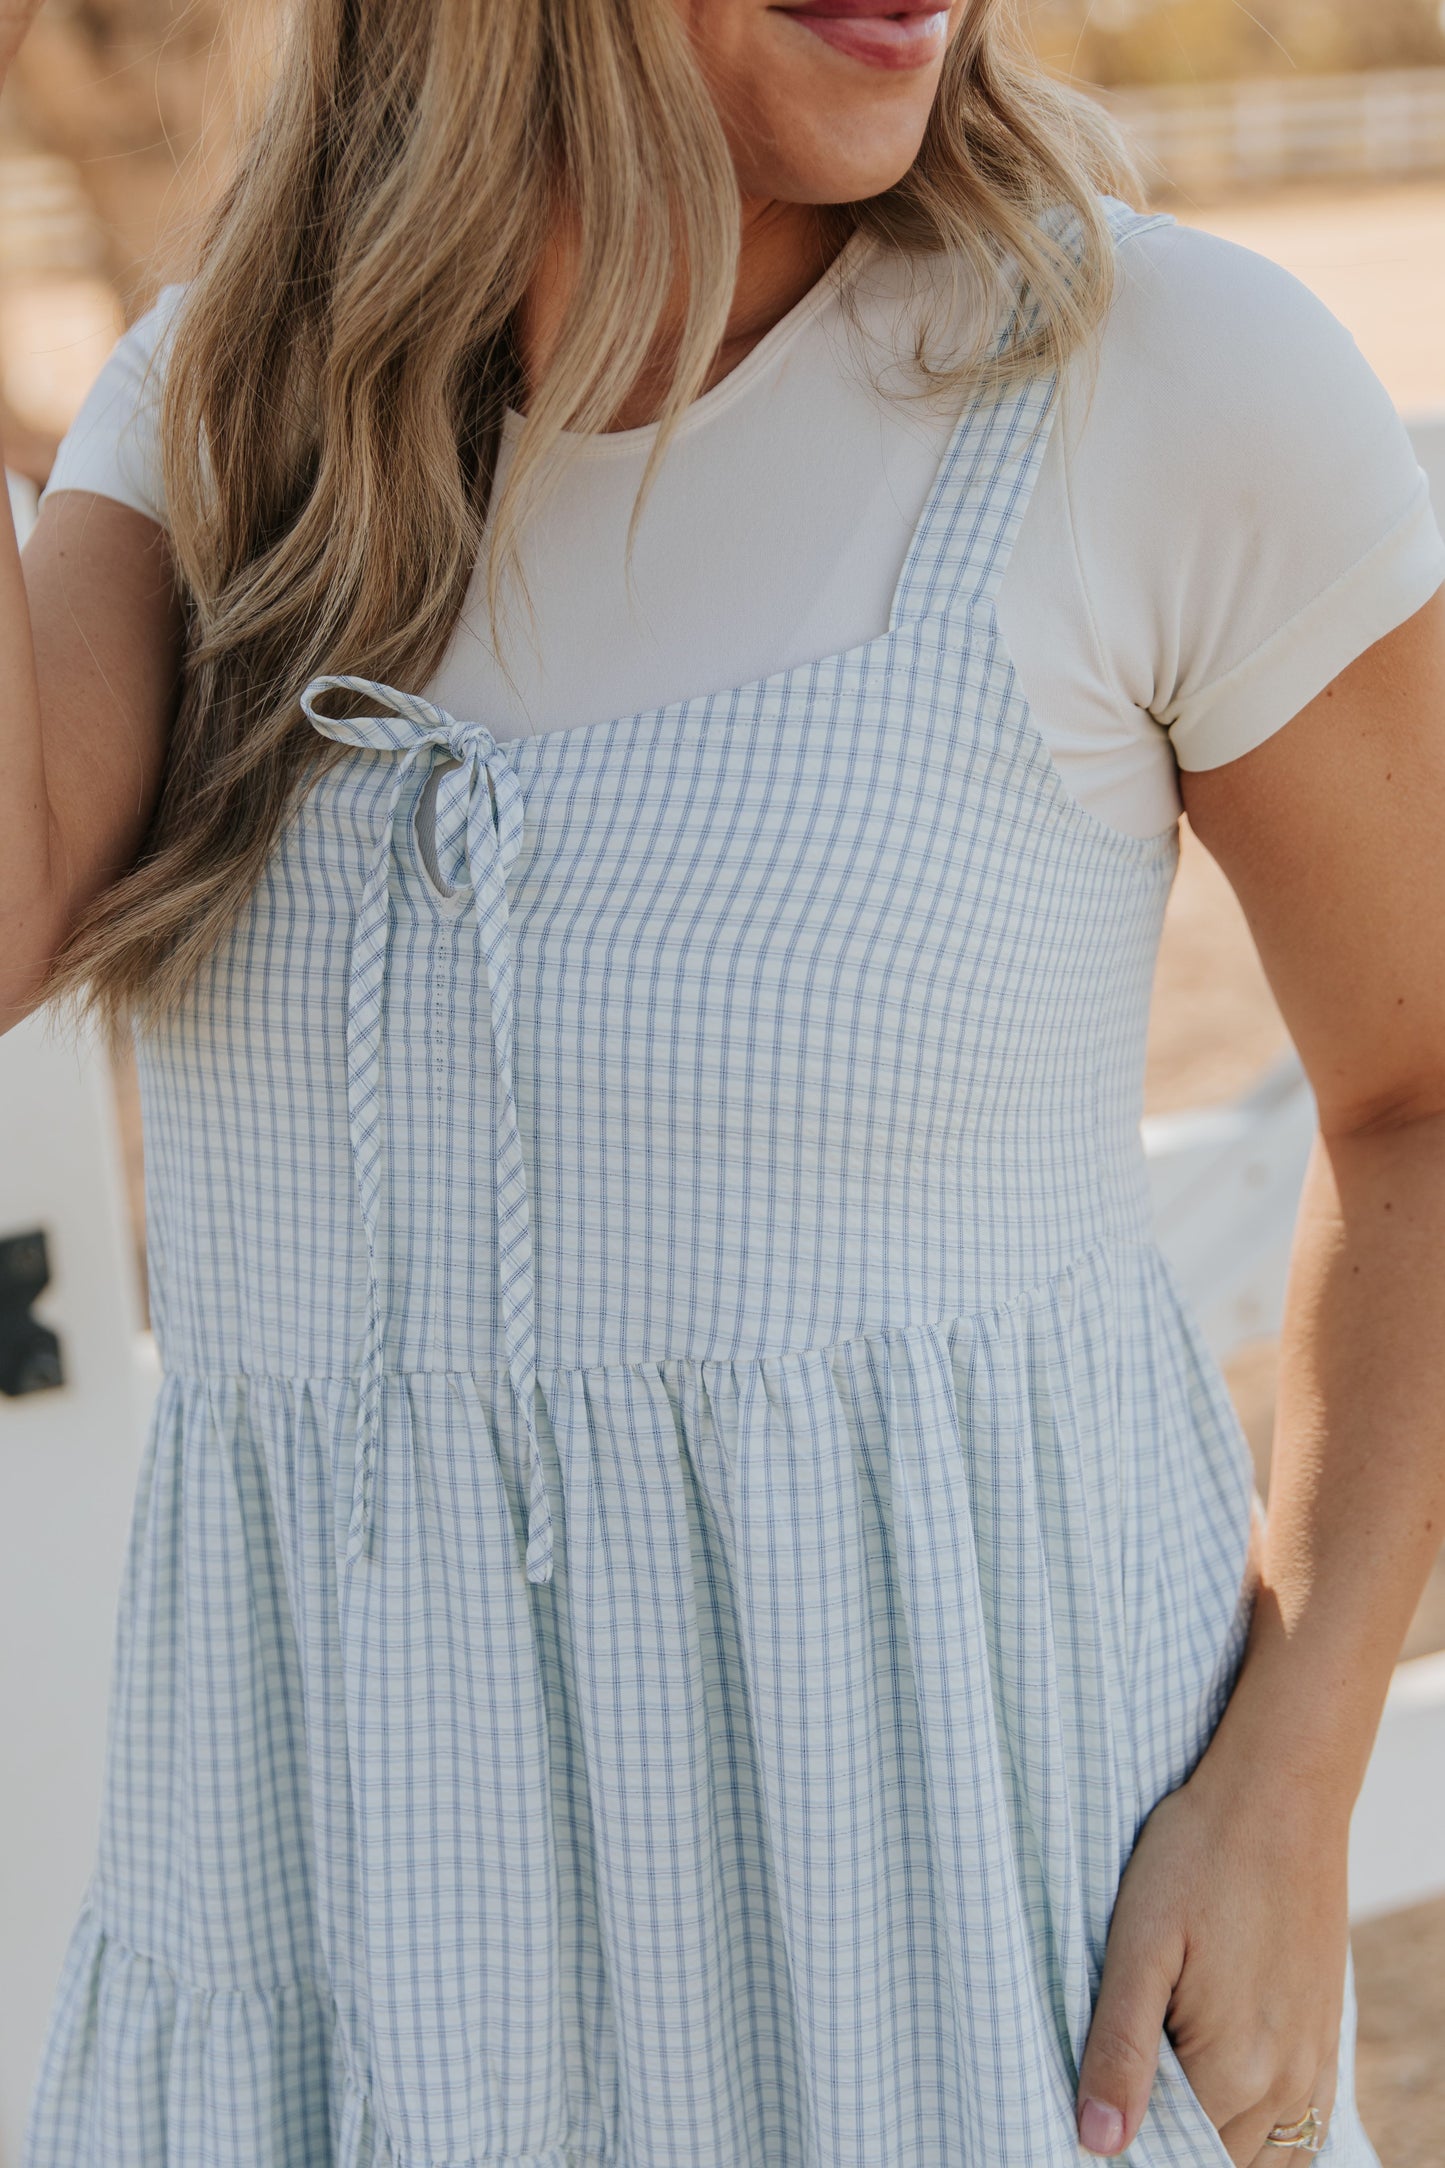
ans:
(1400, 2053)
(1378, 260)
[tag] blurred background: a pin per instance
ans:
(1310, 130)
(1202, 41)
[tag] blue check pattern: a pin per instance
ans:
(686, 1524)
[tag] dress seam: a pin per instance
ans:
(308, 1983)
(303, 1982)
(1109, 1245)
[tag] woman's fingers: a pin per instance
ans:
(1141, 1964)
(1229, 1931)
(1244, 2139)
(1248, 2093)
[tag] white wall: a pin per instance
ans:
(68, 1464)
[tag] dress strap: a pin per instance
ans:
(963, 542)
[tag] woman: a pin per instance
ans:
(693, 1602)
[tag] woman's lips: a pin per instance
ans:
(880, 36)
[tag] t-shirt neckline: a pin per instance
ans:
(616, 443)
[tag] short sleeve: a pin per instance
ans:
(112, 447)
(1249, 512)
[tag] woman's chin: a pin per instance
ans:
(828, 173)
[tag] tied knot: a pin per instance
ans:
(410, 725)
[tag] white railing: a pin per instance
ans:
(1208, 137)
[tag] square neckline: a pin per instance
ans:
(541, 751)
(1144, 851)
(836, 661)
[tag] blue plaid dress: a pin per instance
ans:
(685, 1526)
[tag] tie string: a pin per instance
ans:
(479, 818)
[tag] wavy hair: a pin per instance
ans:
(344, 356)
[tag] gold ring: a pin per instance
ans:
(1305, 2136)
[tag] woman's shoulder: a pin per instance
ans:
(1240, 489)
(1213, 332)
(1203, 332)
(139, 357)
(1221, 381)
(135, 366)
(112, 447)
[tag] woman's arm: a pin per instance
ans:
(1231, 1918)
(90, 632)
(90, 647)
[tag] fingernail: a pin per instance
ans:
(1101, 2129)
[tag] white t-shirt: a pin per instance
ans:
(1228, 512)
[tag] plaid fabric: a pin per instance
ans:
(685, 1525)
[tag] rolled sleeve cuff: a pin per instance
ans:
(1261, 694)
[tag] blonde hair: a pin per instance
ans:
(345, 355)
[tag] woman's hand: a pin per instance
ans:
(1230, 1930)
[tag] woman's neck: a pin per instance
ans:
(784, 250)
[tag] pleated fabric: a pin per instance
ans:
(685, 1525)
